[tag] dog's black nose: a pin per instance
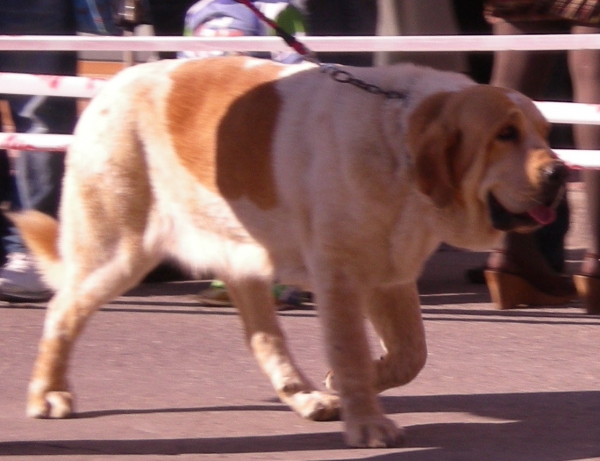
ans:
(555, 173)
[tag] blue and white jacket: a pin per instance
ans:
(228, 18)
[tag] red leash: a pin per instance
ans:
(338, 74)
(297, 46)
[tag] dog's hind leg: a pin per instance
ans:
(254, 300)
(82, 293)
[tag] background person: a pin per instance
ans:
(38, 175)
(538, 259)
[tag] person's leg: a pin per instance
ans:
(528, 72)
(585, 70)
(584, 66)
(524, 71)
(38, 177)
(537, 259)
(38, 174)
(5, 198)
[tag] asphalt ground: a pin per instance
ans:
(157, 375)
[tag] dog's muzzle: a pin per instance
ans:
(553, 179)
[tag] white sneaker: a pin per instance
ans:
(21, 281)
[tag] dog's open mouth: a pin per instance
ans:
(538, 216)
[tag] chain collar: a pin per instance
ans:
(342, 76)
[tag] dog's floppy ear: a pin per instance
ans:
(432, 140)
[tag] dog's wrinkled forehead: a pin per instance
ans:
(477, 105)
(529, 109)
(484, 108)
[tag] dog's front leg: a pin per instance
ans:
(395, 312)
(339, 304)
(254, 300)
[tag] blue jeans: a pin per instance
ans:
(38, 175)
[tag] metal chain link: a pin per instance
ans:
(335, 72)
(342, 76)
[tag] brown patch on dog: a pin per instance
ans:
(221, 117)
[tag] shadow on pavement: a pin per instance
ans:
(525, 426)
(550, 426)
(151, 411)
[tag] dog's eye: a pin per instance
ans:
(509, 133)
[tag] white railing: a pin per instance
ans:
(83, 87)
(396, 43)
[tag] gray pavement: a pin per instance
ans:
(157, 375)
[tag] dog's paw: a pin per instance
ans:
(55, 404)
(316, 405)
(374, 432)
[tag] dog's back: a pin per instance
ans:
(175, 158)
(156, 158)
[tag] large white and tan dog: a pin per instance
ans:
(258, 171)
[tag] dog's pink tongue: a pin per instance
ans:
(543, 214)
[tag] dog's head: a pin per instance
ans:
(486, 148)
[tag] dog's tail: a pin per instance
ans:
(40, 233)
